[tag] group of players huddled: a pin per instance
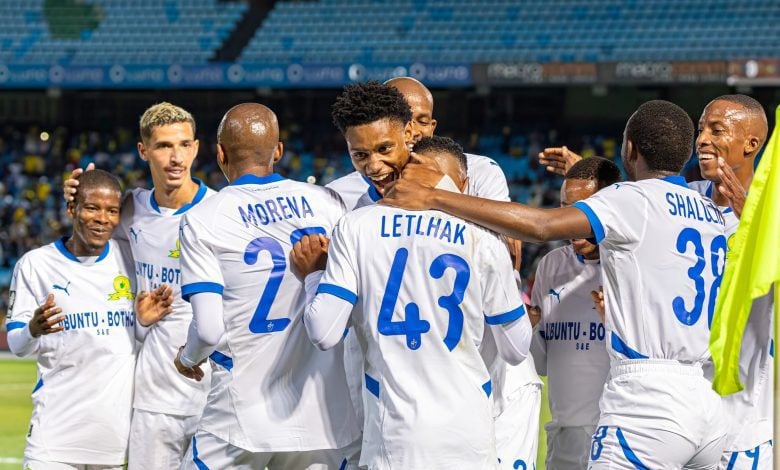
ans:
(377, 322)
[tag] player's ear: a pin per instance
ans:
(464, 184)
(195, 147)
(221, 155)
(433, 125)
(752, 144)
(408, 133)
(71, 208)
(278, 152)
(142, 151)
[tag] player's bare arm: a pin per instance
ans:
(416, 191)
(46, 319)
(310, 254)
(731, 187)
(558, 160)
(151, 307)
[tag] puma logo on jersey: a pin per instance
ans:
(64, 289)
(616, 185)
(557, 295)
(135, 234)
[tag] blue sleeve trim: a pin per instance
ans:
(10, 326)
(340, 292)
(38, 385)
(222, 360)
(595, 223)
(621, 347)
(487, 387)
(372, 385)
(507, 317)
(188, 290)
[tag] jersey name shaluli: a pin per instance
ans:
(275, 210)
(407, 225)
(683, 205)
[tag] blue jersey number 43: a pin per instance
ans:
(413, 327)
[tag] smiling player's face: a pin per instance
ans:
(722, 134)
(379, 150)
(95, 214)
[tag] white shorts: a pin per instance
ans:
(568, 447)
(517, 428)
(41, 465)
(658, 414)
(159, 440)
(207, 451)
(759, 458)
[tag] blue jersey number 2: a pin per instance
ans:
(717, 248)
(412, 326)
(260, 322)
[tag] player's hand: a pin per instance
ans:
(598, 302)
(309, 254)
(71, 185)
(558, 160)
(515, 252)
(731, 187)
(194, 372)
(416, 185)
(46, 319)
(151, 307)
(534, 314)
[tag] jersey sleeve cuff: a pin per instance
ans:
(338, 291)
(595, 223)
(507, 317)
(188, 290)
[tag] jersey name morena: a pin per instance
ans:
(275, 210)
(684, 205)
(408, 225)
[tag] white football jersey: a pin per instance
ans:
(283, 393)
(568, 346)
(351, 187)
(153, 235)
(424, 284)
(82, 402)
(750, 410)
(662, 249)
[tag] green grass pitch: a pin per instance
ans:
(17, 379)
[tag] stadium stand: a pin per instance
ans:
(505, 30)
(114, 31)
(338, 31)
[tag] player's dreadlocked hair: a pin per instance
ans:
(363, 103)
(754, 109)
(604, 172)
(663, 134)
(445, 145)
